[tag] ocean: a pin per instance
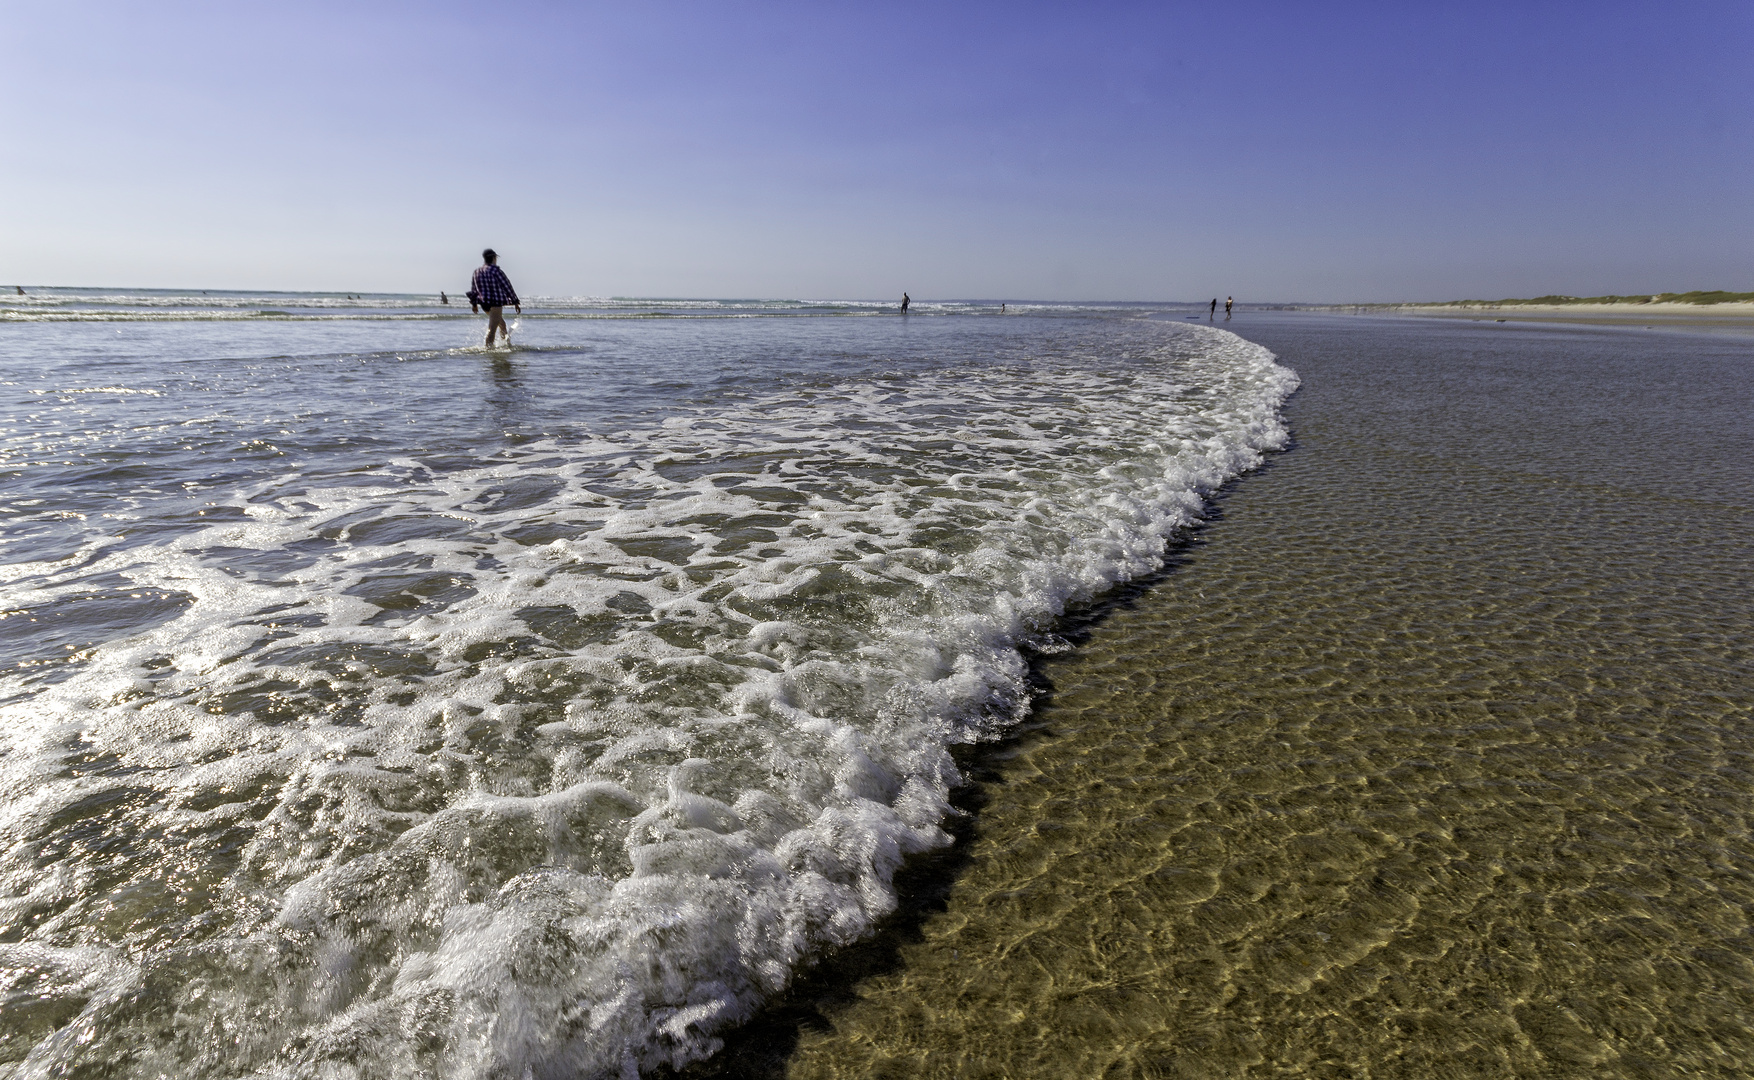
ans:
(376, 705)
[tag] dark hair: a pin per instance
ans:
(489, 255)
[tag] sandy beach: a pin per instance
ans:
(1729, 318)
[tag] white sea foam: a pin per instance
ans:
(559, 765)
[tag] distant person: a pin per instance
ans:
(491, 289)
(20, 289)
(443, 299)
(1227, 302)
(1001, 309)
(904, 303)
(1214, 309)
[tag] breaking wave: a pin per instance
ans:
(559, 760)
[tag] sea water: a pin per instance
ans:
(1431, 757)
(378, 705)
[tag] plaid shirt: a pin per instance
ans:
(491, 288)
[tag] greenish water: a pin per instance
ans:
(1432, 756)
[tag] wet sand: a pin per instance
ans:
(1431, 755)
(1733, 318)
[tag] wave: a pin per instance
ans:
(100, 305)
(559, 763)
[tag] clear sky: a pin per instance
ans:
(1274, 151)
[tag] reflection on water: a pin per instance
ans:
(1433, 759)
(508, 399)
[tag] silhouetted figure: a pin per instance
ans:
(904, 303)
(20, 289)
(491, 289)
(1214, 309)
(1001, 309)
(1227, 302)
(443, 299)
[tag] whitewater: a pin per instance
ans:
(378, 706)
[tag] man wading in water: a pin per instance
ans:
(491, 289)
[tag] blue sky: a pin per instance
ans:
(1274, 151)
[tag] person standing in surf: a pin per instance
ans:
(904, 303)
(1227, 302)
(1214, 311)
(491, 289)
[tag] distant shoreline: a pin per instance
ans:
(1719, 300)
(1475, 308)
(1724, 316)
(1697, 298)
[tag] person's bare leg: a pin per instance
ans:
(496, 321)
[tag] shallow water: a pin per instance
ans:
(379, 706)
(1433, 755)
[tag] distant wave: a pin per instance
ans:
(112, 305)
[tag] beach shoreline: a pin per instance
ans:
(1375, 771)
(1735, 317)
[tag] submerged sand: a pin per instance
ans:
(1429, 758)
